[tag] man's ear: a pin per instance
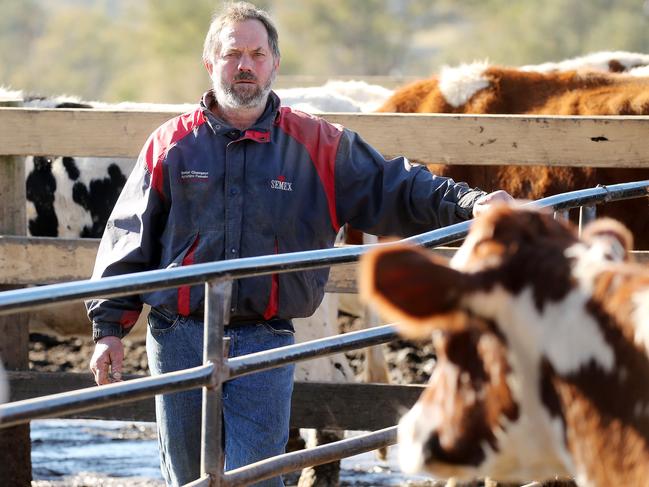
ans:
(209, 66)
(410, 285)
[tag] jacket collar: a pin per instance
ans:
(259, 131)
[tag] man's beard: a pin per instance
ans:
(226, 94)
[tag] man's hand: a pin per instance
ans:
(107, 360)
(483, 203)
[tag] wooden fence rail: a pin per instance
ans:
(41, 260)
(314, 405)
(440, 138)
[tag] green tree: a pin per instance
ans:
(528, 31)
(150, 50)
(76, 51)
(171, 48)
(358, 37)
(21, 22)
(168, 67)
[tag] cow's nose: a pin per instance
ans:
(462, 453)
(435, 452)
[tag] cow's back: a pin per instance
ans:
(482, 89)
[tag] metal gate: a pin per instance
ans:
(217, 278)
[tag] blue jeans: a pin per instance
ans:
(256, 407)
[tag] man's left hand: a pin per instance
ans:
(483, 203)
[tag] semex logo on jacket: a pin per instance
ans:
(281, 183)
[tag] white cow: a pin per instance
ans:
(612, 61)
(336, 96)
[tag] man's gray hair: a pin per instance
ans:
(238, 12)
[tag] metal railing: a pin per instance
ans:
(217, 277)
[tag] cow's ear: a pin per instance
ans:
(410, 285)
(610, 238)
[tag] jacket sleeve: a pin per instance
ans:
(129, 244)
(394, 197)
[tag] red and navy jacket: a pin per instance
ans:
(204, 191)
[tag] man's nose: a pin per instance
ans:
(245, 63)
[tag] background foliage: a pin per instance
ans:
(150, 50)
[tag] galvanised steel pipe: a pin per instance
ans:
(31, 298)
(204, 481)
(55, 405)
(587, 214)
(96, 397)
(289, 462)
(247, 364)
(217, 305)
(562, 214)
(600, 194)
(564, 201)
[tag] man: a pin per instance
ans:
(238, 177)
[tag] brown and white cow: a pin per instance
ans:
(479, 88)
(543, 342)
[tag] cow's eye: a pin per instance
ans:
(488, 246)
(481, 242)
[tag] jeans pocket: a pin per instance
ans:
(276, 331)
(159, 323)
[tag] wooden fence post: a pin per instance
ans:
(15, 443)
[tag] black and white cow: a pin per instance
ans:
(72, 197)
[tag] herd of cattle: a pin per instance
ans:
(71, 197)
(536, 332)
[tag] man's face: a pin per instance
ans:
(244, 67)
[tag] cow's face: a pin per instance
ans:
(468, 405)
(501, 316)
